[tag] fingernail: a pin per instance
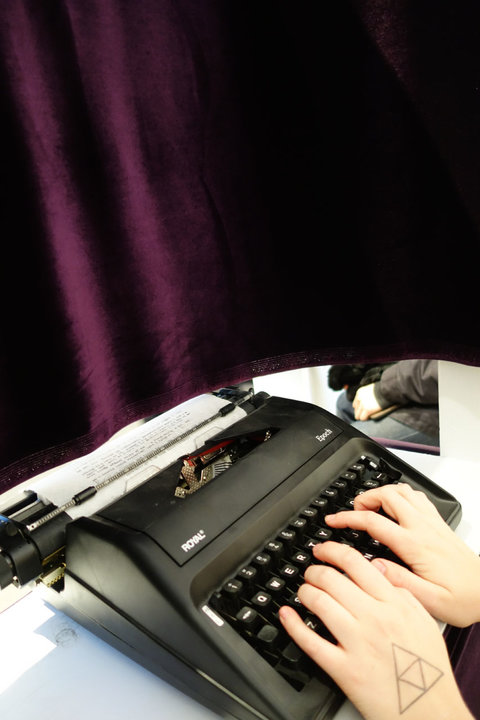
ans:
(380, 566)
(328, 518)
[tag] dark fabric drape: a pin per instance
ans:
(196, 193)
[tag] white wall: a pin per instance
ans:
(459, 401)
(307, 384)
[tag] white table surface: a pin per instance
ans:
(52, 669)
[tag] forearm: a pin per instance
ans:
(408, 381)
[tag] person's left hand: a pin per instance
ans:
(390, 655)
(365, 403)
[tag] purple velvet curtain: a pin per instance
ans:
(196, 193)
(464, 651)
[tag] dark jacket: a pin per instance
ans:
(413, 385)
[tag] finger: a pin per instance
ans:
(325, 593)
(427, 593)
(377, 526)
(356, 404)
(334, 616)
(324, 653)
(354, 592)
(362, 412)
(398, 501)
(417, 498)
(394, 499)
(401, 502)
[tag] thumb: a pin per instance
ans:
(423, 590)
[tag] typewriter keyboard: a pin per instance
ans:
(270, 578)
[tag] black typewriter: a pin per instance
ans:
(186, 573)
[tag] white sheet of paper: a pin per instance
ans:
(134, 447)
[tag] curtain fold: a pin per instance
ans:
(200, 193)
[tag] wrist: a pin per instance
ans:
(445, 704)
(382, 401)
(473, 605)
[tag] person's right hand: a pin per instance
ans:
(445, 573)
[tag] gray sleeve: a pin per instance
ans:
(408, 381)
